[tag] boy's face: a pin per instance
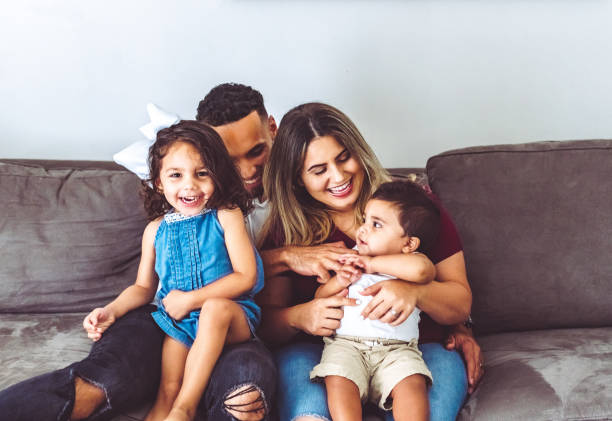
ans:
(248, 142)
(381, 233)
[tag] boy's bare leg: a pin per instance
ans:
(343, 398)
(174, 354)
(221, 321)
(87, 398)
(410, 399)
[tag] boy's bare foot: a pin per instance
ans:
(179, 414)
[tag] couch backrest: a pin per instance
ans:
(69, 234)
(536, 225)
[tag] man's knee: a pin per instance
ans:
(87, 398)
(246, 403)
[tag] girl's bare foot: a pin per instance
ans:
(179, 414)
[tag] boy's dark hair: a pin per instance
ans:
(229, 188)
(230, 102)
(418, 215)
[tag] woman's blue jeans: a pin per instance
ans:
(298, 396)
(126, 364)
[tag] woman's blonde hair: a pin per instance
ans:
(294, 215)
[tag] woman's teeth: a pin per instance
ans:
(340, 189)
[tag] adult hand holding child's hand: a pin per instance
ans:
(96, 322)
(316, 260)
(358, 261)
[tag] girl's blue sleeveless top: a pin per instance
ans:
(190, 253)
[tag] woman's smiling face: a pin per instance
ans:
(331, 175)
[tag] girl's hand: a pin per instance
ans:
(393, 301)
(96, 323)
(178, 304)
(362, 262)
(321, 316)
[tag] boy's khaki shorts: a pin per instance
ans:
(376, 366)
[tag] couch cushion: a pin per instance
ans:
(545, 375)
(536, 224)
(35, 344)
(69, 234)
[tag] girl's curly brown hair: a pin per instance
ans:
(229, 188)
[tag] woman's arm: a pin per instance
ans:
(449, 300)
(240, 250)
(134, 296)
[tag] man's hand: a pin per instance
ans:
(463, 341)
(96, 323)
(321, 316)
(178, 304)
(317, 260)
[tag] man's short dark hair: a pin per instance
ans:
(230, 102)
(419, 216)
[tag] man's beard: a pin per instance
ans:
(256, 192)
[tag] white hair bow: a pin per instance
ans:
(134, 157)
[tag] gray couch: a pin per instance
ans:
(536, 224)
(535, 220)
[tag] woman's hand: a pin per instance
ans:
(96, 322)
(464, 342)
(321, 316)
(178, 304)
(393, 301)
(316, 260)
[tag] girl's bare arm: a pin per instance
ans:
(143, 290)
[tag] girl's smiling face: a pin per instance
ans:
(184, 180)
(331, 175)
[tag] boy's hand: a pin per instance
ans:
(348, 275)
(316, 260)
(362, 262)
(96, 323)
(177, 304)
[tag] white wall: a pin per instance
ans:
(417, 76)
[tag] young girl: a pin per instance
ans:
(197, 246)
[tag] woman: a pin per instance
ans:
(320, 174)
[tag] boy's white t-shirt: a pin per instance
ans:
(353, 325)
